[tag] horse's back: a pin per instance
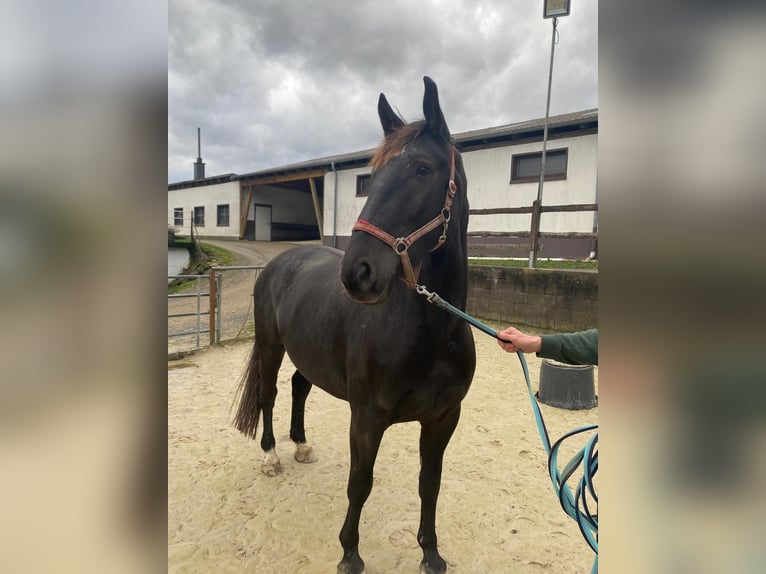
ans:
(297, 277)
(297, 266)
(303, 259)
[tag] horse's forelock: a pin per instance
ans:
(395, 143)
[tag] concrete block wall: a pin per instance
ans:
(545, 299)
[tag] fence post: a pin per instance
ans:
(212, 297)
(198, 309)
(534, 233)
(218, 306)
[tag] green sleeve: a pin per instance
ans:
(573, 348)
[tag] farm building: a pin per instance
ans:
(321, 198)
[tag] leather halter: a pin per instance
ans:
(401, 245)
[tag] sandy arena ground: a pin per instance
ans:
(497, 511)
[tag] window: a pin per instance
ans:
(222, 215)
(178, 216)
(363, 184)
(199, 216)
(526, 167)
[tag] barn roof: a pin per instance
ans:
(212, 180)
(586, 120)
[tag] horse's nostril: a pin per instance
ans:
(364, 277)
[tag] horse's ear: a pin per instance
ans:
(388, 118)
(432, 111)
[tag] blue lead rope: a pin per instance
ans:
(575, 505)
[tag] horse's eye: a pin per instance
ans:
(423, 170)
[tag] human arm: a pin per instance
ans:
(580, 348)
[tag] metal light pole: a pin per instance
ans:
(551, 9)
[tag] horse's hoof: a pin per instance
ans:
(271, 465)
(271, 469)
(434, 566)
(305, 454)
(354, 565)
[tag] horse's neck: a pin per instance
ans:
(446, 274)
(447, 268)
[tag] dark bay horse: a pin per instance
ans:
(353, 325)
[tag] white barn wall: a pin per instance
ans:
(489, 173)
(208, 196)
(349, 206)
(288, 206)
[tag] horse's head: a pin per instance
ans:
(416, 175)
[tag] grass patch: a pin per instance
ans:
(218, 256)
(541, 263)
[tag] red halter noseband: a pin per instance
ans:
(401, 245)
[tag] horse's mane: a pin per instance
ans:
(395, 142)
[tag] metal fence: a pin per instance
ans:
(210, 309)
(196, 298)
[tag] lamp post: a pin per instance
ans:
(551, 9)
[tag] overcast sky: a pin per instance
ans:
(273, 82)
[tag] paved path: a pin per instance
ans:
(256, 252)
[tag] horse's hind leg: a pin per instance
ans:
(301, 387)
(434, 436)
(271, 359)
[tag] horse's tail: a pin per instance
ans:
(249, 411)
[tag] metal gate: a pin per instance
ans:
(199, 309)
(196, 329)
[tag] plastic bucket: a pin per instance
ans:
(567, 386)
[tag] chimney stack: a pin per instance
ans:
(199, 167)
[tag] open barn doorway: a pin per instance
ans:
(278, 210)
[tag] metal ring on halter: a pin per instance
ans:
(446, 214)
(401, 242)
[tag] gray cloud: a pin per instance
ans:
(275, 82)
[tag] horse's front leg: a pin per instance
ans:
(365, 436)
(434, 436)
